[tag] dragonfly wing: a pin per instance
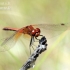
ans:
(52, 30)
(7, 43)
(55, 27)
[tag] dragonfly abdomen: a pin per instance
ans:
(10, 29)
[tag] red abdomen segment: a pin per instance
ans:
(10, 29)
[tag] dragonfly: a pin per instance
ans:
(34, 31)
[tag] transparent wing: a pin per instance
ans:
(9, 42)
(52, 30)
(55, 27)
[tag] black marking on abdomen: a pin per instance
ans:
(8, 29)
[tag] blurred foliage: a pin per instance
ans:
(25, 12)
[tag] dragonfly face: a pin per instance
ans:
(35, 32)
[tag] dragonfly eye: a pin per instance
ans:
(33, 32)
(37, 30)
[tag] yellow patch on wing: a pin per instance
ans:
(18, 34)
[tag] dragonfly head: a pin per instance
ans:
(36, 32)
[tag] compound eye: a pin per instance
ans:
(37, 30)
(33, 32)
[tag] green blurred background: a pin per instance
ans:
(18, 13)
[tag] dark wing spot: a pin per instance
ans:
(62, 24)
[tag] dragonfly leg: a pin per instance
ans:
(32, 42)
(37, 38)
(30, 48)
(41, 35)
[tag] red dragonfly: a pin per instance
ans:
(34, 31)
